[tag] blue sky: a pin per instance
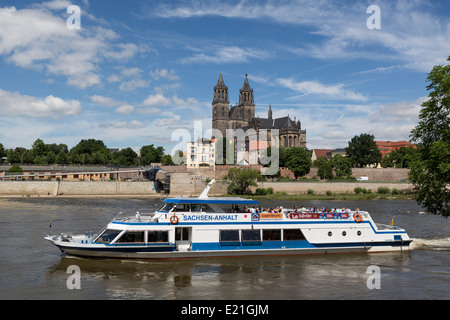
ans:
(142, 72)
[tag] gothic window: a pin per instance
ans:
(290, 141)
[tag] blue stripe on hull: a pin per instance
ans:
(300, 244)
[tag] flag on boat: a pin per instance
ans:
(392, 222)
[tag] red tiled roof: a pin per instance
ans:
(386, 147)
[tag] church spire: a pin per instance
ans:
(246, 96)
(220, 91)
(270, 111)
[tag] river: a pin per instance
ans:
(31, 268)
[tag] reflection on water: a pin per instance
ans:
(31, 268)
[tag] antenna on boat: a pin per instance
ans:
(205, 192)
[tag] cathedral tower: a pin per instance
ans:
(247, 101)
(220, 107)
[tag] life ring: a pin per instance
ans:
(358, 218)
(174, 219)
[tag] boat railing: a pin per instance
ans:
(138, 217)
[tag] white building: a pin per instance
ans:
(201, 154)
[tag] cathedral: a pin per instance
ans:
(242, 116)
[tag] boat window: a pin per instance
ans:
(132, 237)
(206, 208)
(229, 235)
(166, 207)
(251, 235)
(108, 236)
(272, 235)
(158, 236)
(182, 207)
(293, 234)
(196, 207)
(182, 234)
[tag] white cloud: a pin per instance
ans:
(125, 109)
(227, 54)
(156, 100)
(134, 84)
(16, 104)
(134, 124)
(316, 88)
(104, 101)
(164, 73)
(38, 38)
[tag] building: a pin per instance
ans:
(387, 147)
(242, 116)
(201, 154)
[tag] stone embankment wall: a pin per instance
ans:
(76, 188)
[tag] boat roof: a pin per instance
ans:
(221, 200)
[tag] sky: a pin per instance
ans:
(135, 73)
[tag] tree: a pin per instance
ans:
(363, 151)
(430, 171)
(39, 148)
(241, 179)
(298, 160)
(125, 157)
(150, 154)
(83, 152)
(342, 165)
(325, 169)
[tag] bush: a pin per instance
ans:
(383, 190)
(310, 191)
(263, 191)
(358, 190)
(329, 193)
(395, 191)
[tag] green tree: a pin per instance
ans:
(430, 172)
(363, 151)
(15, 169)
(125, 157)
(241, 179)
(83, 152)
(39, 148)
(298, 160)
(325, 169)
(2, 151)
(150, 154)
(61, 158)
(342, 165)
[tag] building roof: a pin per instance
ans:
(386, 147)
(322, 152)
(279, 123)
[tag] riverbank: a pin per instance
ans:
(146, 189)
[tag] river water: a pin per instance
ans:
(31, 268)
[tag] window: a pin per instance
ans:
(251, 235)
(108, 236)
(206, 208)
(182, 207)
(166, 207)
(272, 235)
(158, 236)
(181, 234)
(196, 207)
(293, 234)
(132, 237)
(229, 235)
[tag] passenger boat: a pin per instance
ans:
(217, 226)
